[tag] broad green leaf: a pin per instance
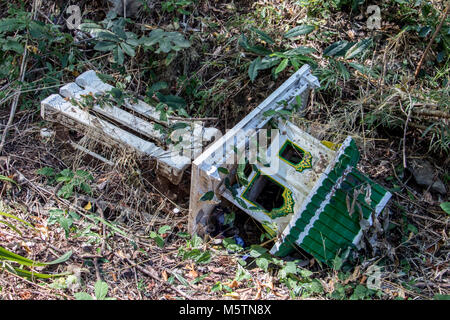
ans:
(302, 50)
(283, 64)
(299, 31)
(223, 170)
(263, 263)
(83, 296)
(446, 207)
(101, 290)
(263, 36)
(256, 251)
(46, 171)
(358, 48)
(12, 25)
(157, 238)
(253, 68)
(164, 229)
(207, 196)
(13, 45)
(338, 48)
(259, 50)
(129, 50)
(157, 87)
(204, 258)
(105, 46)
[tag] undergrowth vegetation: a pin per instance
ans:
(217, 61)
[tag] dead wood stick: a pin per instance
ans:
(431, 40)
(153, 274)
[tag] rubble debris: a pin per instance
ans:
(130, 125)
(302, 191)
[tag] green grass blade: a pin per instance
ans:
(11, 226)
(8, 215)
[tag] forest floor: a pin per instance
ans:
(127, 228)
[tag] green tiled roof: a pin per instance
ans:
(325, 225)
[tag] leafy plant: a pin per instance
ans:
(100, 290)
(111, 36)
(159, 237)
(276, 58)
(193, 250)
(9, 259)
(176, 5)
(166, 41)
(64, 218)
(71, 181)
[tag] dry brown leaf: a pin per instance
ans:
(164, 275)
(233, 295)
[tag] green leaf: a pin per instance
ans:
(8, 215)
(207, 196)
(12, 25)
(253, 68)
(204, 258)
(101, 290)
(158, 239)
(338, 48)
(172, 101)
(337, 263)
(5, 178)
(105, 46)
(46, 171)
(164, 229)
(358, 48)
(13, 45)
(299, 31)
(10, 256)
(263, 263)
(66, 191)
(441, 297)
(299, 51)
(157, 87)
(83, 296)
(223, 170)
(283, 64)
(182, 280)
(61, 259)
(256, 251)
(446, 207)
(263, 36)
(91, 27)
(129, 50)
(12, 227)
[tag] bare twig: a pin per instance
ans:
(153, 274)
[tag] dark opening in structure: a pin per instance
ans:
(266, 193)
(292, 153)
